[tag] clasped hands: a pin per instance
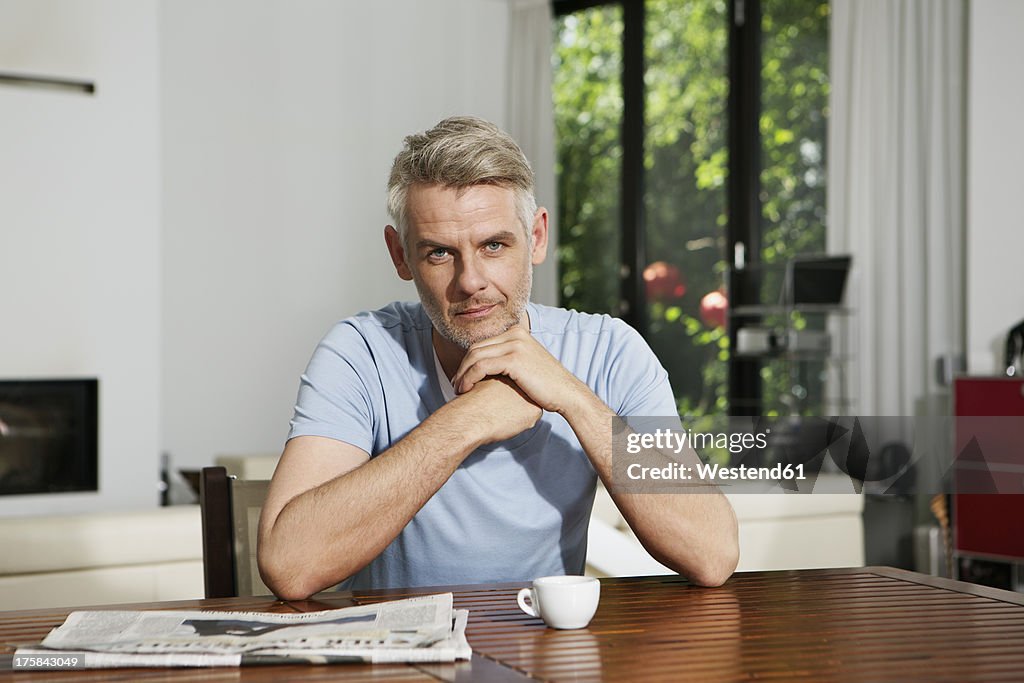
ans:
(510, 379)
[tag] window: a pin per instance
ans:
(686, 128)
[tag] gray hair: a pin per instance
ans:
(460, 152)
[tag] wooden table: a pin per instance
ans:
(864, 624)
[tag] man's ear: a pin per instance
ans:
(539, 237)
(397, 251)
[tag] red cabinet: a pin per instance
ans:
(990, 525)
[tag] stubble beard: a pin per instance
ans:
(465, 336)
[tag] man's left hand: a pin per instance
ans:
(518, 356)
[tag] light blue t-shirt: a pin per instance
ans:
(513, 510)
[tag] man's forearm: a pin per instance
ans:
(326, 534)
(693, 533)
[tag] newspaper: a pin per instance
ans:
(422, 629)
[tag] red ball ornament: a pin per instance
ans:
(663, 282)
(713, 308)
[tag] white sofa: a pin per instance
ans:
(109, 557)
(101, 558)
(776, 531)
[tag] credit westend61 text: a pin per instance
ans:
(713, 472)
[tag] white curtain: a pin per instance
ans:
(896, 191)
(531, 119)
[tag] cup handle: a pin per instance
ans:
(527, 607)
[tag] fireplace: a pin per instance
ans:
(48, 436)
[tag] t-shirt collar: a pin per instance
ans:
(447, 390)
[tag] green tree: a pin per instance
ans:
(587, 90)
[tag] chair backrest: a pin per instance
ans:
(231, 513)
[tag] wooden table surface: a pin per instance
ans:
(862, 624)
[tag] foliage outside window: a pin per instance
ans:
(685, 166)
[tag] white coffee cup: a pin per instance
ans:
(562, 601)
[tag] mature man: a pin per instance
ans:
(460, 439)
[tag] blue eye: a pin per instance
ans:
(440, 252)
(494, 246)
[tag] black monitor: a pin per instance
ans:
(817, 280)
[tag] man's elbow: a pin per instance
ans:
(289, 578)
(288, 586)
(715, 571)
(288, 592)
(285, 581)
(718, 564)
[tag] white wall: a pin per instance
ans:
(995, 150)
(280, 121)
(189, 233)
(79, 220)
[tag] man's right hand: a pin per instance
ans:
(496, 409)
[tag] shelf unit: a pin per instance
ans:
(799, 349)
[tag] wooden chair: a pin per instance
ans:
(230, 509)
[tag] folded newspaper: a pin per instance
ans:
(422, 629)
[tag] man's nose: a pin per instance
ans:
(470, 277)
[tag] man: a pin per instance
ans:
(459, 440)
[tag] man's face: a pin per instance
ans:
(470, 258)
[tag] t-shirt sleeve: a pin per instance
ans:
(334, 399)
(636, 377)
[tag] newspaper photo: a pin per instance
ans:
(422, 629)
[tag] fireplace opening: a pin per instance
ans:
(49, 436)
